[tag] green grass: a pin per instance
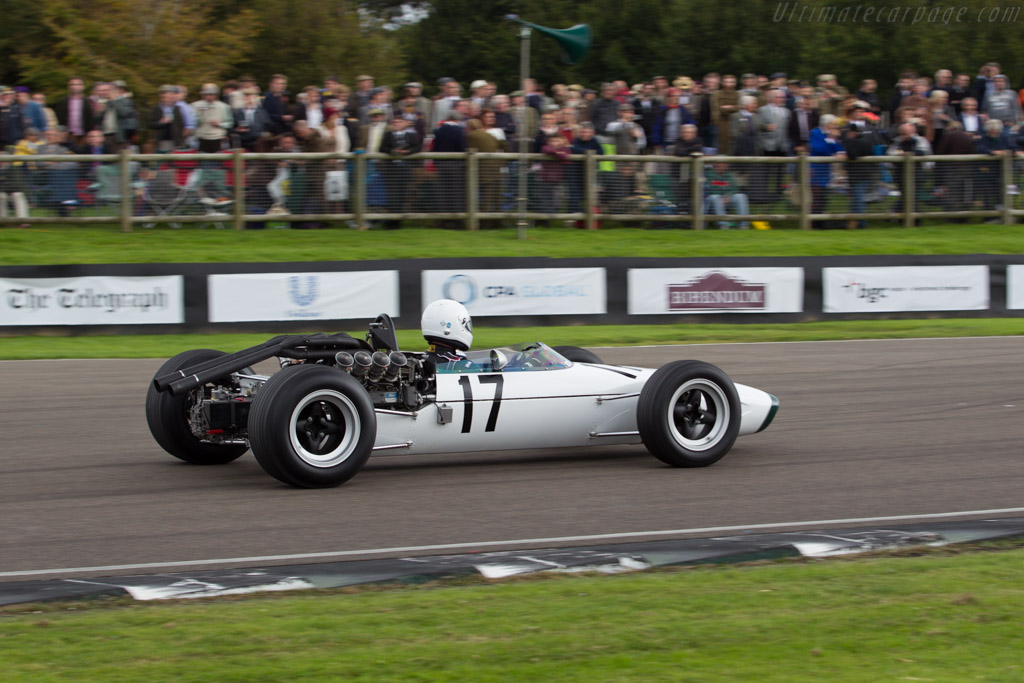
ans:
(164, 346)
(87, 244)
(932, 617)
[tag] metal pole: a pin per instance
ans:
(697, 192)
(472, 190)
(238, 169)
(909, 190)
(524, 73)
(359, 201)
(1006, 173)
(590, 189)
(127, 197)
(803, 175)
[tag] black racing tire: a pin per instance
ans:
(167, 416)
(312, 426)
(688, 414)
(578, 355)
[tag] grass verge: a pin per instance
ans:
(164, 346)
(942, 615)
(53, 245)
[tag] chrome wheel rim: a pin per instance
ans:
(698, 414)
(324, 428)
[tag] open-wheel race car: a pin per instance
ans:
(338, 399)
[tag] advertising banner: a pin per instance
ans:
(93, 300)
(254, 297)
(715, 290)
(520, 291)
(1014, 287)
(905, 288)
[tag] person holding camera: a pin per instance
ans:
(688, 145)
(909, 141)
(400, 141)
(213, 119)
(859, 138)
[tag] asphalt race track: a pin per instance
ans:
(867, 429)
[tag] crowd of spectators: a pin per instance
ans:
(753, 115)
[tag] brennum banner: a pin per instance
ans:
(715, 290)
(93, 300)
(250, 297)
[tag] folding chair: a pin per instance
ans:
(107, 188)
(207, 188)
(163, 196)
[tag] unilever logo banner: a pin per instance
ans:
(253, 297)
(520, 291)
(905, 288)
(93, 300)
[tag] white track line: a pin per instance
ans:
(488, 544)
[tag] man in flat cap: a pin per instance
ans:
(414, 89)
(830, 94)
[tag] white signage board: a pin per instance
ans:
(715, 290)
(520, 291)
(253, 297)
(93, 300)
(905, 288)
(1015, 286)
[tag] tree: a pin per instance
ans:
(143, 42)
(20, 31)
(310, 40)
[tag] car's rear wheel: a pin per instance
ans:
(312, 426)
(167, 416)
(688, 414)
(578, 355)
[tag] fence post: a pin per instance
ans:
(472, 194)
(590, 189)
(697, 192)
(127, 200)
(359, 203)
(909, 191)
(803, 183)
(238, 168)
(1006, 161)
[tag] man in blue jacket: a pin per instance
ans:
(32, 112)
(824, 142)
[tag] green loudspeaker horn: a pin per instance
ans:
(574, 40)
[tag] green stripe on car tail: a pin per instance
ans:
(771, 413)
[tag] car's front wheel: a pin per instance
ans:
(688, 414)
(312, 426)
(168, 416)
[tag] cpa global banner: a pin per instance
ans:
(520, 291)
(905, 288)
(94, 300)
(253, 297)
(715, 290)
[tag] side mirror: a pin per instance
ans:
(498, 360)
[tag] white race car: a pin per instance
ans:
(337, 400)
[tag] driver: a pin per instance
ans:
(448, 328)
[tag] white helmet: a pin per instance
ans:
(447, 322)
